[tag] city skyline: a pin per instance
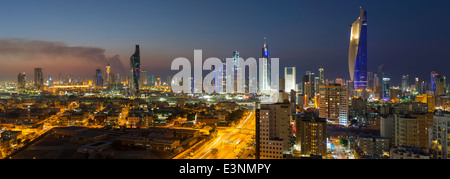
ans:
(294, 39)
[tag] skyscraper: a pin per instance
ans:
(135, 64)
(405, 83)
(265, 75)
(358, 52)
(38, 78)
(21, 80)
(98, 78)
(321, 76)
(386, 89)
(290, 79)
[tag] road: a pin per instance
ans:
(230, 143)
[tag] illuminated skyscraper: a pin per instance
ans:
(405, 83)
(321, 76)
(265, 75)
(135, 64)
(236, 68)
(358, 52)
(290, 79)
(386, 89)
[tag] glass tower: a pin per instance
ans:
(135, 64)
(358, 52)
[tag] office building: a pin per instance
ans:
(358, 52)
(290, 79)
(21, 80)
(38, 78)
(405, 83)
(98, 78)
(386, 89)
(265, 75)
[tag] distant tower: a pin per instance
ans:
(321, 76)
(98, 77)
(38, 78)
(21, 81)
(135, 64)
(108, 70)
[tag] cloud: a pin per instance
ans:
(54, 56)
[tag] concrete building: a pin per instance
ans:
(273, 131)
(311, 132)
(412, 130)
(333, 103)
(439, 137)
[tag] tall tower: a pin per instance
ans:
(98, 78)
(108, 70)
(358, 52)
(265, 75)
(321, 76)
(135, 64)
(38, 78)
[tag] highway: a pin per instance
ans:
(230, 143)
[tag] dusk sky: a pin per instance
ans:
(71, 36)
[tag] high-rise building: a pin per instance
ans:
(386, 89)
(311, 132)
(265, 75)
(143, 78)
(405, 83)
(440, 85)
(290, 79)
(21, 80)
(412, 130)
(135, 64)
(358, 52)
(98, 78)
(38, 78)
(370, 81)
(321, 76)
(273, 130)
(333, 103)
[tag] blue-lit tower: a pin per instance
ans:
(358, 52)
